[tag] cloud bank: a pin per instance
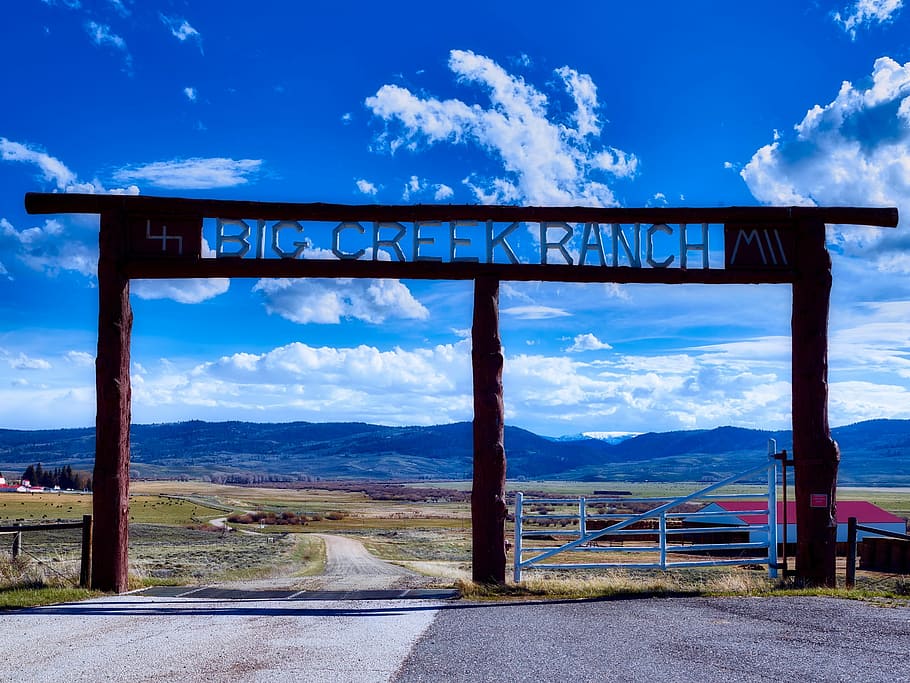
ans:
(853, 151)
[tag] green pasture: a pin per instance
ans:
(144, 509)
(44, 506)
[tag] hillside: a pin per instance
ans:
(874, 452)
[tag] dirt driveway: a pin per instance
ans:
(349, 566)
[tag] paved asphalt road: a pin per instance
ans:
(135, 638)
(677, 639)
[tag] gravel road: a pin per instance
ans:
(140, 638)
(710, 640)
(133, 638)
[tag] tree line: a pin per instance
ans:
(65, 477)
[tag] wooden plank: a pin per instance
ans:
(815, 454)
(40, 527)
(488, 506)
(112, 422)
(424, 270)
(140, 205)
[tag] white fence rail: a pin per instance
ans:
(671, 529)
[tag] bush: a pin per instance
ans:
(285, 518)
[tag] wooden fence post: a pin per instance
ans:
(850, 580)
(17, 543)
(815, 453)
(488, 507)
(85, 568)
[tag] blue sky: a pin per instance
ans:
(617, 104)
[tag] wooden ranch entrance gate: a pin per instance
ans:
(158, 237)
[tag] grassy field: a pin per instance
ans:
(172, 540)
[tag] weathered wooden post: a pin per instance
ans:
(17, 543)
(112, 423)
(815, 454)
(85, 566)
(488, 506)
(850, 579)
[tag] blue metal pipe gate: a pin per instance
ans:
(762, 544)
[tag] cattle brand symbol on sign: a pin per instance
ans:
(758, 246)
(172, 238)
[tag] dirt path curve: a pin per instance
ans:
(349, 566)
(221, 523)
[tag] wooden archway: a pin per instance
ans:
(160, 237)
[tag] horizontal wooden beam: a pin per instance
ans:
(40, 527)
(424, 270)
(48, 203)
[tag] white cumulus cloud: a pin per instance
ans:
(50, 248)
(587, 342)
(52, 169)
(442, 191)
(188, 291)
(298, 381)
(182, 30)
(545, 162)
(366, 187)
(853, 151)
(316, 300)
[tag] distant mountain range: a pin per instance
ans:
(876, 452)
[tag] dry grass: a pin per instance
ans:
(26, 582)
(167, 554)
(624, 583)
(620, 584)
(170, 543)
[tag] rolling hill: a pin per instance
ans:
(874, 452)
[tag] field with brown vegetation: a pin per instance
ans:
(192, 532)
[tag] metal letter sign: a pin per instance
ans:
(758, 246)
(171, 238)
